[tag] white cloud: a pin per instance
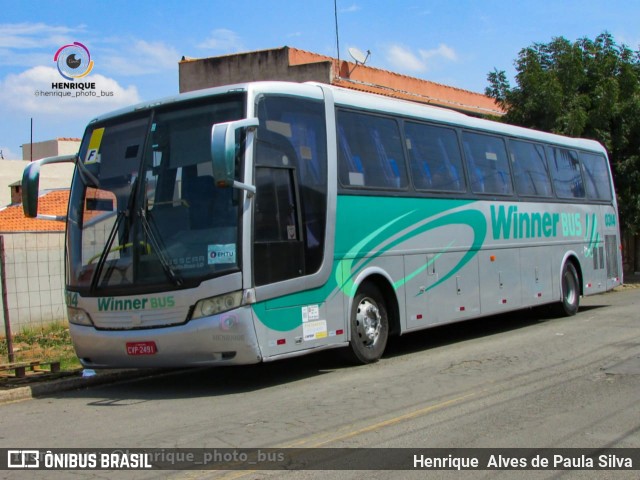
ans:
(34, 35)
(443, 51)
(31, 44)
(18, 94)
(351, 9)
(139, 57)
(403, 59)
(223, 40)
(26, 44)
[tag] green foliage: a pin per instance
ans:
(588, 88)
(49, 343)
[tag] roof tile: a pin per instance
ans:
(53, 202)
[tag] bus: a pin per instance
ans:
(267, 220)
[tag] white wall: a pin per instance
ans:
(51, 176)
(34, 271)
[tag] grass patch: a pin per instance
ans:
(50, 343)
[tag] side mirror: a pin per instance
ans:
(223, 152)
(31, 185)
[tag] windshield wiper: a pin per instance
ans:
(112, 235)
(159, 249)
(106, 251)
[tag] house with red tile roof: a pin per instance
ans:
(292, 64)
(52, 202)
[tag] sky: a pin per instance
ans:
(136, 44)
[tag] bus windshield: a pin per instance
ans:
(144, 210)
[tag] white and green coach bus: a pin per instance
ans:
(267, 220)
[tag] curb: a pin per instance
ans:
(65, 384)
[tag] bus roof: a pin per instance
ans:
(369, 101)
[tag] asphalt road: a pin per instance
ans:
(514, 380)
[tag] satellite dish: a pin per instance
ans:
(358, 55)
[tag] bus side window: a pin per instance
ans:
(565, 170)
(420, 169)
(488, 163)
(475, 174)
(370, 151)
(435, 159)
(351, 170)
(529, 169)
(596, 175)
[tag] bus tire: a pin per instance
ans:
(369, 322)
(570, 291)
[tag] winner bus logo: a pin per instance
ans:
(73, 61)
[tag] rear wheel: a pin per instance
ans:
(369, 325)
(570, 285)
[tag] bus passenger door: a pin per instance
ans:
(278, 249)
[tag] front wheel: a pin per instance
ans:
(369, 325)
(570, 285)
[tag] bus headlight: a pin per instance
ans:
(215, 305)
(78, 316)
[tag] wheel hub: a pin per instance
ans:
(368, 322)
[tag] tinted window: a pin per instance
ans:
(596, 176)
(487, 163)
(529, 169)
(291, 183)
(565, 170)
(434, 156)
(370, 152)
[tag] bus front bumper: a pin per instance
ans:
(224, 339)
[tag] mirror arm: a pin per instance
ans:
(223, 152)
(250, 189)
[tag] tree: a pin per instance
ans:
(589, 89)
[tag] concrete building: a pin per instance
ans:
(296, 65)
(50, 148)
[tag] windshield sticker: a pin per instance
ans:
(221, 253)
(94, 146)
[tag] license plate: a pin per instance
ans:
(141, 348)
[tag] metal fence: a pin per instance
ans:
(33, 279)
